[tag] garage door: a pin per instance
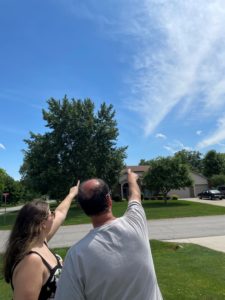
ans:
(200, 187)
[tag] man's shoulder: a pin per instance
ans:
(81, 245)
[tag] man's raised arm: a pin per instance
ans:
(134, 190)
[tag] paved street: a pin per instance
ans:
(205, 231)
(166, 229)
(9, 209)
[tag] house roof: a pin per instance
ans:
(199, 174)
(136, 169)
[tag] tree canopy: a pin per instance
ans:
(165, 174)
(192, 158)
(15, 189)
(81, 143)
(213, 163)
(216, 180)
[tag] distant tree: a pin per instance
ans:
(81, 144)
(213, 163)
(144, 162)
(192, 158)
(217, 180)
(16, 189)
(165, 174)
(222, 159)
(3, 176)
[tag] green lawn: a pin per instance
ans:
(155, 209)
(184, 271)
(189, 272)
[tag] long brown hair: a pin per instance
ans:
(24, 234)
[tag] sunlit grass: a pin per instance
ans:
(184, 271)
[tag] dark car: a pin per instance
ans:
(211, 194)
(221, 189)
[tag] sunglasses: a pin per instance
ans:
(52, 213)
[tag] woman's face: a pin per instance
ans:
(49, 221)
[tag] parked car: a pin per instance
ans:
(221, 188)
(211, 194)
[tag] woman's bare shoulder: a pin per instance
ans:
(30, 262)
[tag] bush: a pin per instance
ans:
(117, 198)
(174, 197)
(160, 197)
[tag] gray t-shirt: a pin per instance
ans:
(112, 262)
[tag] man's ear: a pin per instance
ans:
(109, 200)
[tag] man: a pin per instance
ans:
(113, 261)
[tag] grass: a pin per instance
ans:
(154, 209)
(189, 271)
(184, 271)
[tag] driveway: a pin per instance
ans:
(211, 202)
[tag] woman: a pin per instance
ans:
(29, 265)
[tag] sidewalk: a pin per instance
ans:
(16, 208)
(9, 209)
(211, 242)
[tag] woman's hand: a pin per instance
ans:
(74, 190)
(62, 210)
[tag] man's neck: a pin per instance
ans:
(102, 219)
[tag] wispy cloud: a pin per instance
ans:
(199, 132)
(2, 146)
(160, 136)
(214, 138)
(180, 61)
(176, 146)
(176, 54)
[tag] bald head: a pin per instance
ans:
(90, 185)
(92, 196)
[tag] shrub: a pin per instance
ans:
(174, 197)
(117, 198)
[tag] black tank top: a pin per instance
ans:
(49, 288)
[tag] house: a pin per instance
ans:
(200, 183)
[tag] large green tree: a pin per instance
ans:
(81, 143)
(15, 189)
(213, 163)
(192, 158)
(216, 180)
(3, 177)
(165, 174)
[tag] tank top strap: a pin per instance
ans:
(42, 258)
(58, 257)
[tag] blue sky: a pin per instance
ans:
(160, 63)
